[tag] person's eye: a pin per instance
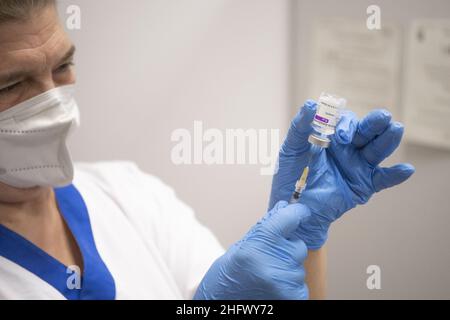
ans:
(10, 88)
(64, 67)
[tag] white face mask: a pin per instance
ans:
(33, 136)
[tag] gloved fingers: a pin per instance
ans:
(279, 205)
(290, 283)
(384, 145)
(302, 292)
(299, 251)
(371, 126)
(284, 221)
(293, 274)
(301, 275)
(384, 178)
(297, 138)
(346, 127)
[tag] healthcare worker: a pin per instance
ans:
(110, 231)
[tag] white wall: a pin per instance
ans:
(148, 67)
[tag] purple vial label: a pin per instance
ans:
(321, 119)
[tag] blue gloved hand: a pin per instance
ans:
(265, 264)
(342, 176)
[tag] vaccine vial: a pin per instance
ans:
(329, 109)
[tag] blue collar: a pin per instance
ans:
(96, 280)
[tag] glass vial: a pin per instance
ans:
(329, 108)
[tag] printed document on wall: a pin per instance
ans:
(356, 63)
(427, 83)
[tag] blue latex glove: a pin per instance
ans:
(342, 176)
(265, 264)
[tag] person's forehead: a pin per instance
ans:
(41, 34)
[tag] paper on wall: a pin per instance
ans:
(356, 63)
(426, 102)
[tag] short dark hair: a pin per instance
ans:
(11, 10)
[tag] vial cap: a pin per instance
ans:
(319, 141)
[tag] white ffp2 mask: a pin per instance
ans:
(33, 134)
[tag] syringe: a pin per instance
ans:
(299, 186)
